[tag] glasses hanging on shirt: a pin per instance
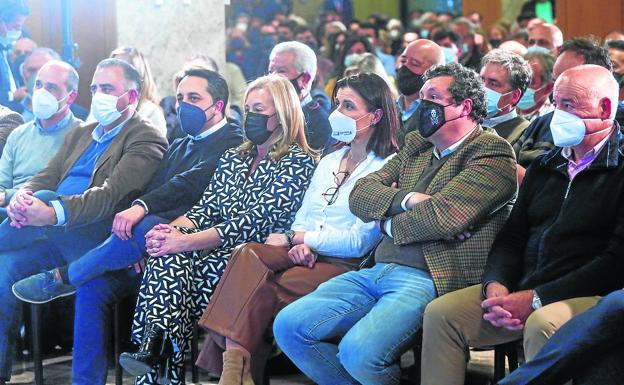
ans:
(331, 194)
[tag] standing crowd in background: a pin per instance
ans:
(341, 191)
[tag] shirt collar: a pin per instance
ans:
(100, 136)
(406, 114)
(566, 152)
(450, 149)
(211, 130)
(306, 100)
(496, 120)
(59, 125)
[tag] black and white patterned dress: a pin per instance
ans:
(177, 287)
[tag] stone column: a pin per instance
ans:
(168, 31)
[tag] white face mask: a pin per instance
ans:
(104, 108)
(568, 129)
(343, 127)
(44, 104)
(11, 37)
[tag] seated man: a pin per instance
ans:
(450, 176)
(589, 349)
(31, 146)
(560, 248)
(98, 167)
(9, 120)
(297, 62)
(178, 183)
(506, 77)
(537, 139)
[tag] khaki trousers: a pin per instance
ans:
(454, 322)
(258, 282)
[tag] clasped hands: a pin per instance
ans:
(27, 210)
(164, 239)
(502, 309)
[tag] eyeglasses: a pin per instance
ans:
(331, 194)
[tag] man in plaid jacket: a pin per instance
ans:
(440, 202)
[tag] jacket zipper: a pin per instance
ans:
(565, 197)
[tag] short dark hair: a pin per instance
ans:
(466, 85)
(591, 50)
(217, 86)
(377, 95)
(443, 33)
(9, 9)
(615, 44)
(130, 73)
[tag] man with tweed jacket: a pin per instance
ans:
(559, 250)
(450, 177)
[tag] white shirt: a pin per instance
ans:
(332, 230)
(496, 120)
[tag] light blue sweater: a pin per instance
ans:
(28, 150)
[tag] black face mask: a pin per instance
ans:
(495, 42)
(431, 117)
(295, 84)
(408, 82)
(256, 127)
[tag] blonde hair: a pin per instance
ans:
(289, 114)
(148, 86)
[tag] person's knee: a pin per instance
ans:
(361, 359)
(438, 313)
(286, 327)
(614, 303)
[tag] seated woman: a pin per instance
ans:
(325, 240)
(255, 190)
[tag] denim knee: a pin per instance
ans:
(614, 303)
(286, 328)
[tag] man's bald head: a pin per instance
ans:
(592, 89)
(546, 35)
(426, 51)
(514, 47)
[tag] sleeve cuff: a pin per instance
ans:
(388, 227)
(142, 204)
(404, 201)
(57, 205)
(311, 238)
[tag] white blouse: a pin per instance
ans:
(332, 230)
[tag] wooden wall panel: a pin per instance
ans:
(94, 24)
(490, 9)
(596, 17)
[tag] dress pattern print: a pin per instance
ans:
(177, 287)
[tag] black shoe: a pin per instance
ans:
(155, 349)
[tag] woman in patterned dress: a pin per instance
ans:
(324, 241)
(255, 191)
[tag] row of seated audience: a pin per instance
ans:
(482, 228)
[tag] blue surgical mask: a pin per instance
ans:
(192, 118)
(449, 55)
(527, 100)
(465, 47)
(424, 33)
(10, 38)
(538, 48)
(493, 98)
(567, 129)
(349, 59)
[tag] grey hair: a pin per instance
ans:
(305, 58)
(72, 76)
(131, 74)
(518, 70)
(546, 60)
(44, 50)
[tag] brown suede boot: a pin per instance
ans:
(236, 368)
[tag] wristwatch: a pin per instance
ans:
(290, 234)
(536, 303)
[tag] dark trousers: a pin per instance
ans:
(589, 349)
(258, 282)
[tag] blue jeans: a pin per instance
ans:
(374, 313)
(31, 250)
(103, 279)
(112, 254)
(92, 325)
(588, 348)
